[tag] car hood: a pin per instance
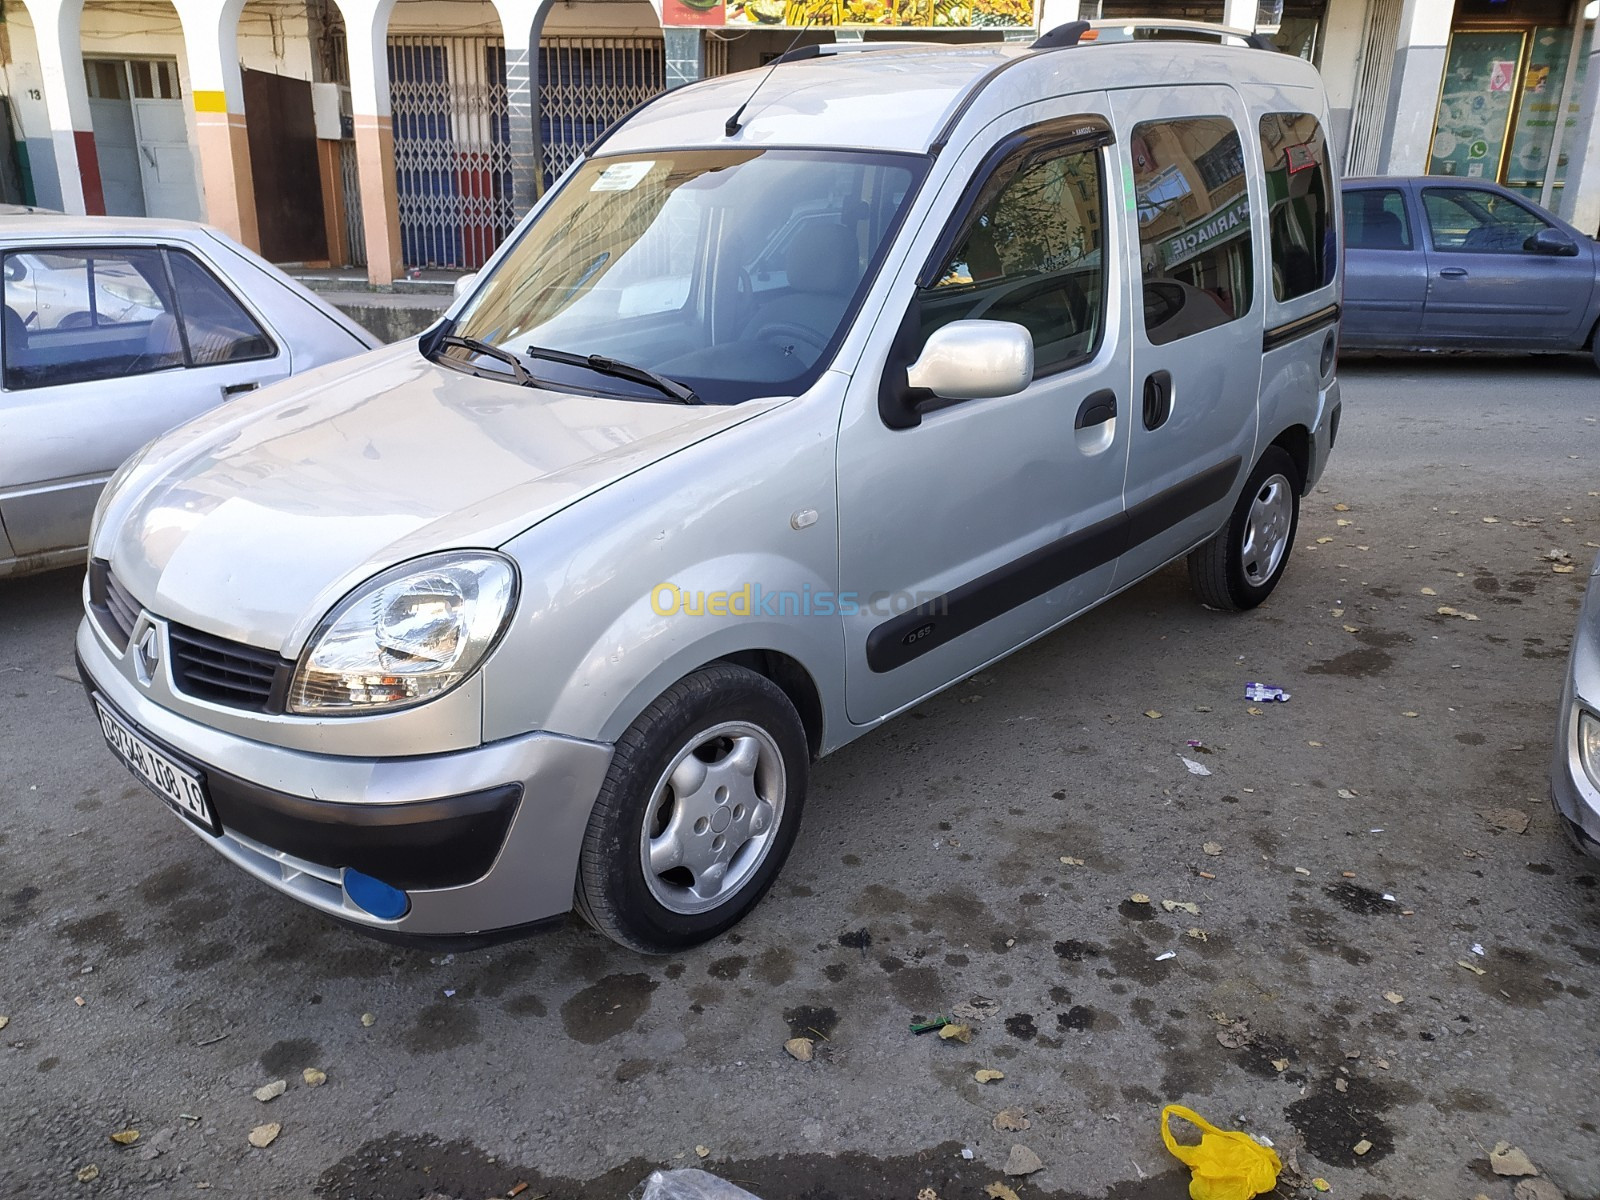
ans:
(251, 522)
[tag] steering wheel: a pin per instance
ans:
(789, 336)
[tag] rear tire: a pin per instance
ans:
(697, 814)
(1238, 568)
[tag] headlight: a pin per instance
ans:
(118, 478)
(1589, 746)
(407, 635)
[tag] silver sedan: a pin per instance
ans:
(115, 330)
(1575, 770)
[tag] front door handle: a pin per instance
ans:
(1452, 273)
(1157, 399)
(230, 390)
(1097, 409)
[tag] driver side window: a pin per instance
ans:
(1031, 252)
(1471, 219)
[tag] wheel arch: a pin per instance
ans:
(1296, 441)
(795, 681)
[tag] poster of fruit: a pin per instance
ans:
(836, 14)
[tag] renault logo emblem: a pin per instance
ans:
(148, 656)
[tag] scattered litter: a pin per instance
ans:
(271, 1091)
(1429, 592)
(1139, 898)
(1477, 948)
(966, 1153)
(702, 1152)
(1341, 1085)
(1212, 848)
(1536, 1189)
(1323, 541)
(1280, 1064)
(1347, 793)
(1347, 874)
(79, 1001)
(1205, 874)
(263, 1136)
(1491, 520)
(1558, 556)
(1389, 896)
(1194, 767)
(1510, 820)
(920, 1027)
(689, 1183)
(516, 1188)
(368, 1020)
(999, 1191)
(988, 1075)
(800, 1048)
(1444, 610)
(1195, 744)
(1394, 997)
(927, 1194)
(1563, 569)
(125, 1137)
(1202, 708)
(449, 993)
(1341, 507)
(1181, 906)
(1254, 712)
(1342, 522)
(1301, 871)
(88, 1174)
(1226, 1164)
(1069, 861)
(1198, 934)
(1022, 1161)
(1361, 1147)
(1410, 714)
(1321, 1184)
(1265, 692)
(313, 1077)
(1152, 714)
(4, 1021)
(956, 1033)
(1168, 954)
(1506, 1159)
(1235, 1036)
(1469, 965)
(1010, 1120)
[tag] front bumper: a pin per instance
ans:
(480, 840)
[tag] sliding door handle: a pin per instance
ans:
(1097, 409)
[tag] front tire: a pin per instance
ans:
(697, 813)
(1239, 567)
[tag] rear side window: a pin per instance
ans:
(1299, 190)
(216, 325)
(1032, 253)
(1376, 219)
(1195, 246)
(81, 315)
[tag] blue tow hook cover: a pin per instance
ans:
(374, 896)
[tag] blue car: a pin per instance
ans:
(1440, 263)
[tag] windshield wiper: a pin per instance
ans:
(490, 350)
(620, 370)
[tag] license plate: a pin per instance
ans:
(180, 786)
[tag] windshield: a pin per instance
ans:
(731, 272)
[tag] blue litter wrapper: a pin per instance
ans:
(1264, 692)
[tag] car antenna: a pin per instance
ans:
(733, 126)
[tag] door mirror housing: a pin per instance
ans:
(1550, 240)
(974, 360)
(464, 285)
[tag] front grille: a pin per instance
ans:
(224, 672)
(112, 605)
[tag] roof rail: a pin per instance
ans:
(1077, 33)
(829, 49)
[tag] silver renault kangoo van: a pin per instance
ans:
(802, 396)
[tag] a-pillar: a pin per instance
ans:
(1414, 86)
(1580, 195)
(367, 31)
(57, 26)
(686, 56)
(521, 22)
(211, 44)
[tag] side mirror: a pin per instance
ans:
(466, 283)
(1552, 241)
(974, 360)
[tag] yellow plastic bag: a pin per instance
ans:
(1227, 1164)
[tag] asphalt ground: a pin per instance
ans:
(150, 986)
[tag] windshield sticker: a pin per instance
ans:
(622, 177)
